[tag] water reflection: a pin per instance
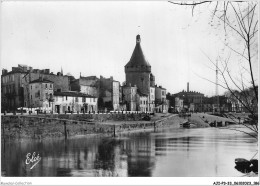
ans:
(170, 152)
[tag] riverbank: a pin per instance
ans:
(203, 120)
(50, 126)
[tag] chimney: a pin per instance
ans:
(188, 88)
(138, 39)
(4, 71)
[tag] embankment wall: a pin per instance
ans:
(26, 126)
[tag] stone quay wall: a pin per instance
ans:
(101, 117)
(47, 126)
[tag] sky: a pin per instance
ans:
(98, 38)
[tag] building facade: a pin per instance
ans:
(142, 101)
(130, 97)
(60, 82)
(109, 93)
(151, 99)
(161, 104)
(178, 107)
(116, 95)
(40, 95)
(87, 85)
(72, 101)
(192, 100)
(12, 90)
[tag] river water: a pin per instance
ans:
(170, 152)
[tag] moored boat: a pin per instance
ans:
(242, 162)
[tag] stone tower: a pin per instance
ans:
(138, 70)
(152, 80)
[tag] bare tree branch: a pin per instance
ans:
(210, 81)
(190, 4)
(254, 136)
(251, 17)
(241, 24)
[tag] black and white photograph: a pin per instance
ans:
(164, 92)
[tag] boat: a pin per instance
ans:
(212, 124)
(254, 162)
(242, 162)
(187, 125)
(254, 165)
(219, 124)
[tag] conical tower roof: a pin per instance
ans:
(137, 58)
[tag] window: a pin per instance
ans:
(37, 94)
(84, 99)
(46, 85)
(163, 93)
(46, 95)
(50, 85)
(31, 87)
(94, 100)
(76, 99)
(31, 96)
(66, 98)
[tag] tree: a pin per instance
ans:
(239, 23)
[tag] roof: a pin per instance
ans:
(87, 81)
(41, 81)
(73, 94)
(160, 87)
(188, 93)
(89, 77)
(137, 58)
(14, 72)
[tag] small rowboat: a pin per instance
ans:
(185, 125)
(242, 162)
(188, 125)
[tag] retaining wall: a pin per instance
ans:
(21, 126)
